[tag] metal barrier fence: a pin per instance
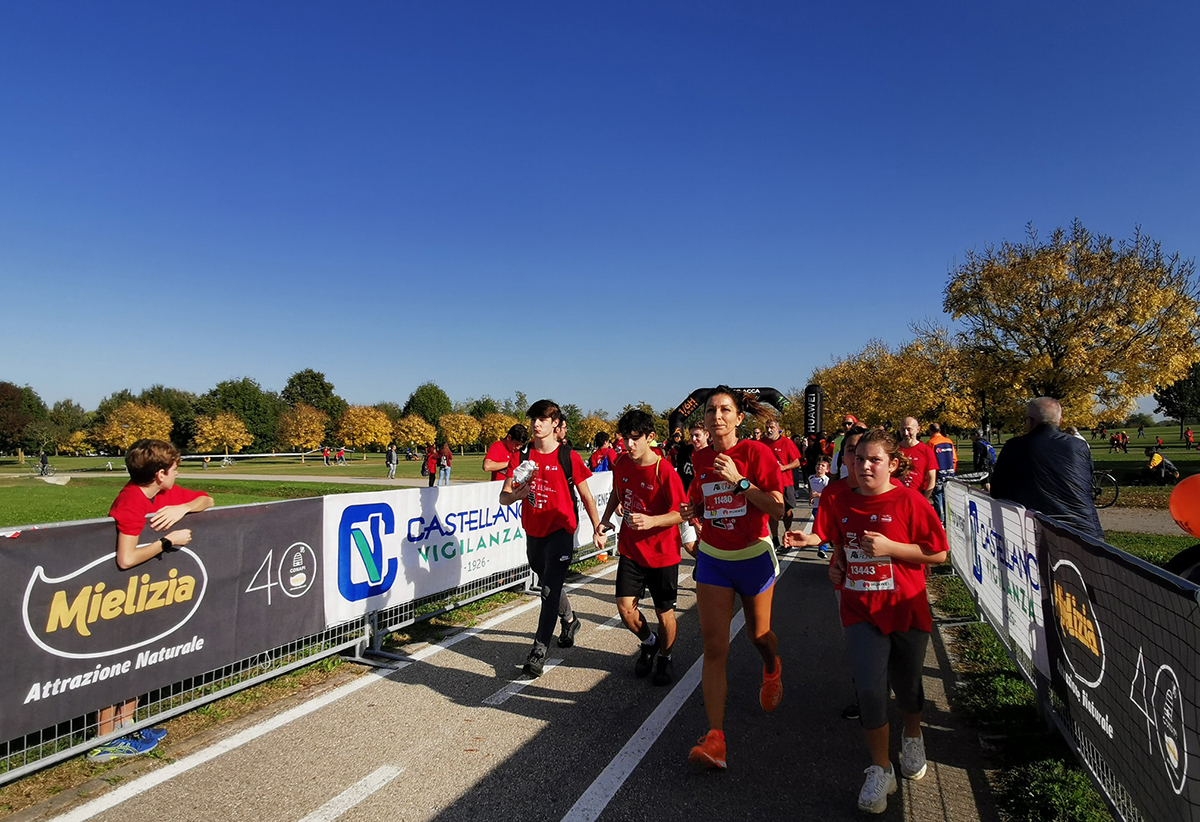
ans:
(358, 638)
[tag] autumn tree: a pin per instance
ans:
(362, 426)
(459, 430)
(482, 407)
(428, 402)
(258, 409)
(311, 388)
(302, 427)
(413, 430)
(130, 422)
(592, 425)
(1092, 322)
(1181, 399)
(180, 404)
(77, 443)
(222, 431)
(495, 427)
(393, 410)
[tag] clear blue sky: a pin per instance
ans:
(597, 202)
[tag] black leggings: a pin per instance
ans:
(550, 557)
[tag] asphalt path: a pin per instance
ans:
(458, 734)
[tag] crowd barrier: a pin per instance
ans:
(262, 589)
(1109, 643)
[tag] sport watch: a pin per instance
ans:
(743, 485)
(167, 545)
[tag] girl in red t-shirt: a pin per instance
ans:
(884, 536)
(736, 489)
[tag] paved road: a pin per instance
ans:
(1139, 520)
(436, 741)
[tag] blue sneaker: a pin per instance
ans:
(157, 734)
(133, 745)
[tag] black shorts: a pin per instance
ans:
(633, 580)
(789, 498)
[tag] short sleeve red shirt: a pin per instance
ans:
(131, 506)
(548, 508)
(654, 490)
(785, 451)
(497, 452)
(923, 461)
(888, 593)
(731, 523)
(599, 454)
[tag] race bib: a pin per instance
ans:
(866, 573)
(721, 502)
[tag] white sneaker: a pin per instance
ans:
(912, 757)
(873, 796)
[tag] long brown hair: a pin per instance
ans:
(891, 447)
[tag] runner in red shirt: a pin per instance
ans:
(604, 457)
(500, 452)
(650, 493)
(736, 490)
(549, 517)
(788, 457)
(922, 475)
(883, 537)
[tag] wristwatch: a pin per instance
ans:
(167, 545)
(743, 485)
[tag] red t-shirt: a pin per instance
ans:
(601, 453)
(730, 522)
(654, 490)
(498, 452)
(131, 506)
(886, 592)
(431, 458)
(785, 451)
(548, 508)
(923, 461)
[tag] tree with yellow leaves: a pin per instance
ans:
(130, 422)
(495, 427)
(1092, 322)
(414, 431)
(591, 425)
(222, 431)
(77, 442)
(302, 427)
(459, 430)
(362, 426)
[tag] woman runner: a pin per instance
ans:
(884, 535)
(736, 489)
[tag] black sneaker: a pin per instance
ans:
(850, 711)
(645, 660)
(664, 671)
(536, 663)
(566, 639)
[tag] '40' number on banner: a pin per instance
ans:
(294, 575)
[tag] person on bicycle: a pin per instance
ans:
(1048, 470)
(44, 462)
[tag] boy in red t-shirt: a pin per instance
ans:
(153, 466)
(604, 457)
(549, 517)
(788, 457)
(650, 492)
(501, 451)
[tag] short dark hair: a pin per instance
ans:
(600, 438)
(697, 424)
(635, 423)
(544, 409)
(519, 434)
(146, 457)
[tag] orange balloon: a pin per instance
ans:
(1185, 504)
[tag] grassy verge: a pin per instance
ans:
(1038, 778)
(1157, 549)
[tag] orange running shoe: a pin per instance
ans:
(772, 688)
(711, 750)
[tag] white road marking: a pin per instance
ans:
(596, 798)
(517, 685)
(158, 777)
(356, 793)
(610, 624)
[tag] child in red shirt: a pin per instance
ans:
(153, 466)
(650, 492)
(884, 536)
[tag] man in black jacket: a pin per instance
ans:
(1048, 470)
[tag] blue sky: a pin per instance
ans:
(601, 203)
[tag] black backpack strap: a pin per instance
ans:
(564, 462)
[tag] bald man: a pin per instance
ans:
(1048, 470)
(923, 474)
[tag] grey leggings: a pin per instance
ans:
(879, 659)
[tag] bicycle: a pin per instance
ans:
(1105, 489)
(43, 471)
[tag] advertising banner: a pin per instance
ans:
(1125, 664)
(385, 548)
(82, 634)
(993, 544)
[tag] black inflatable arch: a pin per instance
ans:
(697, 398)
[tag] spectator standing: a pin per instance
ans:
(325, 455)
(603, 457)
(391, 459)
(789, 459)
(445, 460)
(946, 461)
(922, 475)
(1048, 470)
(982, 453)
(431, 464)
(500, 452)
